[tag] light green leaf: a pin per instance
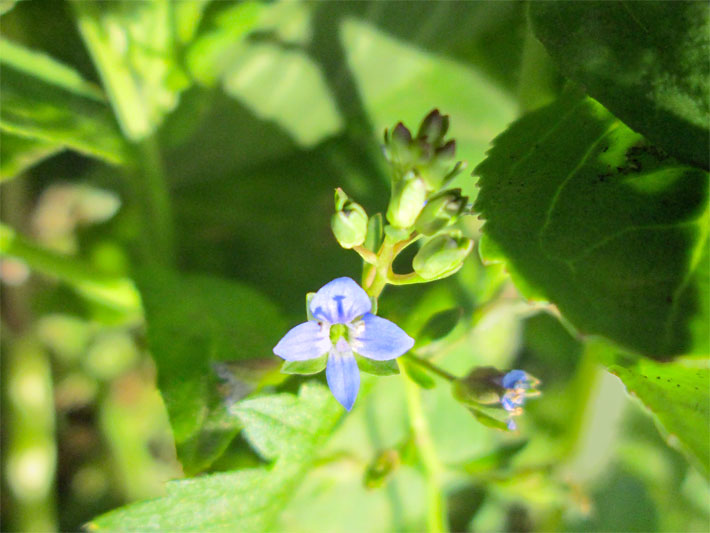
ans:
(377, 368)
(48, 69)
(18, 154)
(586, 214)
(134, 48)
(283, 427)
(678, 394)
(47, 102)
(645, 61)
(311, 366)
(193, 322)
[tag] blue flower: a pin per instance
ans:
(342, 326)
(518, 386)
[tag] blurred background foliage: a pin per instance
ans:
(188, 151)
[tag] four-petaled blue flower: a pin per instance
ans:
(342, 325)
(519, 385)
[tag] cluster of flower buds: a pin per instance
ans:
(422, 169)
(496, 395)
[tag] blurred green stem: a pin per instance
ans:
(433, 469)
(132, 114)
(430, 366)
(118, 293)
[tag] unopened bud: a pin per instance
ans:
(401, 135)
(408, 196)
(446, 152)
(440, 211)
(481, 386)
(442, 256)
(349, 223)
(434, 127)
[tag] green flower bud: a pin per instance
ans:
(434, 127)
(408, 197)
(442, 256)
(440, 211)
(480, 386)
(349, 223)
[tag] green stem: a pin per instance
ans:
(433, 469)
(430, 366)
(375, 281)
(385, 256)
(404, 279)
(118, 293)
(133, 116)
(367, 255)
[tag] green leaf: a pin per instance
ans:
(47, 102)
(416, 374)
(18, 154)
(677, 394)
(311, 366)
(438, 326)
(646, 62)
(377, 368)
(193, 322)
(283, 427)
(588, 215)
(485, 418)
(134, 48)
(47, 69)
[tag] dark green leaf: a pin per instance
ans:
(645, 61)
(417, 374)
(377, 368)
(588, 215)
(438, 326)
(283, 427)
(49, 103)
(193, 322)
(311, 366)
(678, 394)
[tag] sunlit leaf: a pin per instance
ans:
(678, 394)
(133, 45)
(288, 429)
(586, 214)
(646, 62)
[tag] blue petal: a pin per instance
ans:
(306, 341)
(343, 375)
(511, 379)
(379, 339)
(340, 301)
